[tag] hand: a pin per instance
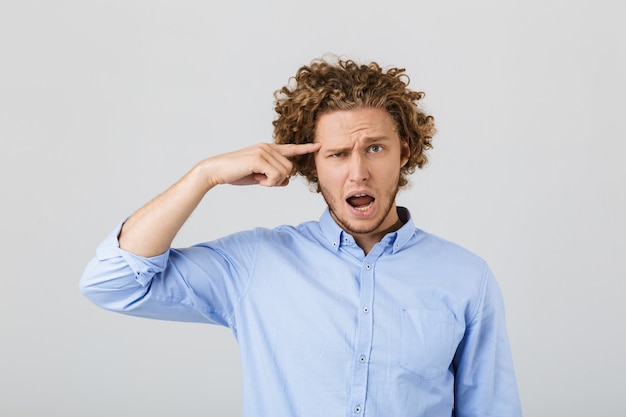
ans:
(264, 164)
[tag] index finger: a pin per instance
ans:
(293, 149)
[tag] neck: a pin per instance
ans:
(367, 241)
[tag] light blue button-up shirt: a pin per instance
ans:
(415, 328)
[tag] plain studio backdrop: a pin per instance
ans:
(104, 104)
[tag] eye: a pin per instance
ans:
(337, 154)
(376, 148)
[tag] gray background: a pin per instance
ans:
(103, 104)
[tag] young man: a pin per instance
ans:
(357, 314)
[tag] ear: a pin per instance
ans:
(405, 152)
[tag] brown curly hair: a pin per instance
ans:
(339, 84)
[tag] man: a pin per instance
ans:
(357, 314)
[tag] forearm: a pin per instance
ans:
(151, 229)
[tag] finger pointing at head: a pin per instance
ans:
(292, 149)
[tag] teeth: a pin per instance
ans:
(364, 207)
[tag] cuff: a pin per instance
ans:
(143, 268)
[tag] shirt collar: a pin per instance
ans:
(337, 236)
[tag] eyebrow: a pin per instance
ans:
(368, 141)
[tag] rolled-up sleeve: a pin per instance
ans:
(197, 284)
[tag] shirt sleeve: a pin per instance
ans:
(485, 382)
(202, 283)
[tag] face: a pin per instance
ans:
(358, 167)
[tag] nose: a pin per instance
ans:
(358, 168)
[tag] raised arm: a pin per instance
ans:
(151, 230)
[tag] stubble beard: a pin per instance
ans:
(345, 224)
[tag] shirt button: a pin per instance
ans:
(357, 409)
(366, 310)
(362, 358)
(367, 266)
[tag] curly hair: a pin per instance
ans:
(325, 86)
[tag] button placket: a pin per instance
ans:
(364, 336)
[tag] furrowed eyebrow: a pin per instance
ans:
(373, 139)
(331, 151)
(368, 141)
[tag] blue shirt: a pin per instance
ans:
(415, 328)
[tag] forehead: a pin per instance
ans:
(357, 124)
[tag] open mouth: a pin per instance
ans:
(361, 201)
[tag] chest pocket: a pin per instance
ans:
(427, 341)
